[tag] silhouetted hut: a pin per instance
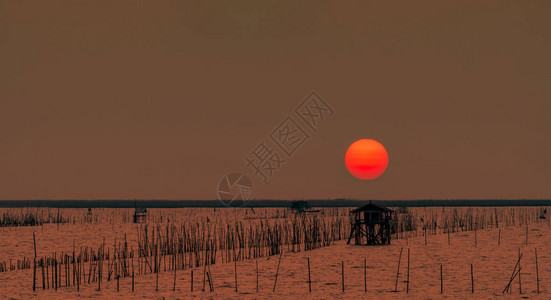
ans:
(302, 207)
(370, 225)
(140, 214)
(89, 216)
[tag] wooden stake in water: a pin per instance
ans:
(54, 271)
(365, 275)
(277, 271)
(204, 274)
(43, 279)
(117, 275)
(47, 269)
(425, 235)
(78, 274)
(68, 270)
(407, 282)
(537, 271)
(515, 273)
(309, 278)
(499, 238)
(475, 239)
(519, 273)
(132, 269)
(74, 261)
(174, 265)
(256, 275)
(34, 274)
(157, 265)
(342, 272)
(449, 241)
(192, 280)
(235, 272)
(209, 277)
(398, 270)
(441, 281)
(34, 263)
(472, 279)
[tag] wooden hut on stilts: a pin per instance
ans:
(140, 214)
(370, 225)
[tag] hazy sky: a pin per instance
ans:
(159, 99)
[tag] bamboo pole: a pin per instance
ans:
(204, 273)
(132, 252)
(81, 272)
(398, 270)
(43, 279)
(365, 275)
(90, 266)
(46, 267)
(34, 263)
(74, 267)
(54, 272)
(441, 280)
(513, 275)
(67, 277)
(309, 278)
(34, 274)
(78, 273)
(157, 265)
(209, 277)
(173, 265)
(117, 274)
(472, 279)
(235, 272)
(407, 282)
(342, 273)
(277, 271)
(519, 273)
(425, 234)
(51, 272)
(537, 271)
(100, 266)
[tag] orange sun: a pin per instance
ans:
(366, 159)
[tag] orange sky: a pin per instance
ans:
(117, 99)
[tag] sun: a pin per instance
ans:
(366, 159)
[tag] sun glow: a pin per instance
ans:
(366, 159)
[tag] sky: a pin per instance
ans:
(161, 99)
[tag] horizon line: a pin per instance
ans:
(338, 202)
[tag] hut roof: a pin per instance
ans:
(140, 210)
(371, 207)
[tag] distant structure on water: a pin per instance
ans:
(370, 225)
(302, 207)
(543, 213)
(89, 216)
(140, 214)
